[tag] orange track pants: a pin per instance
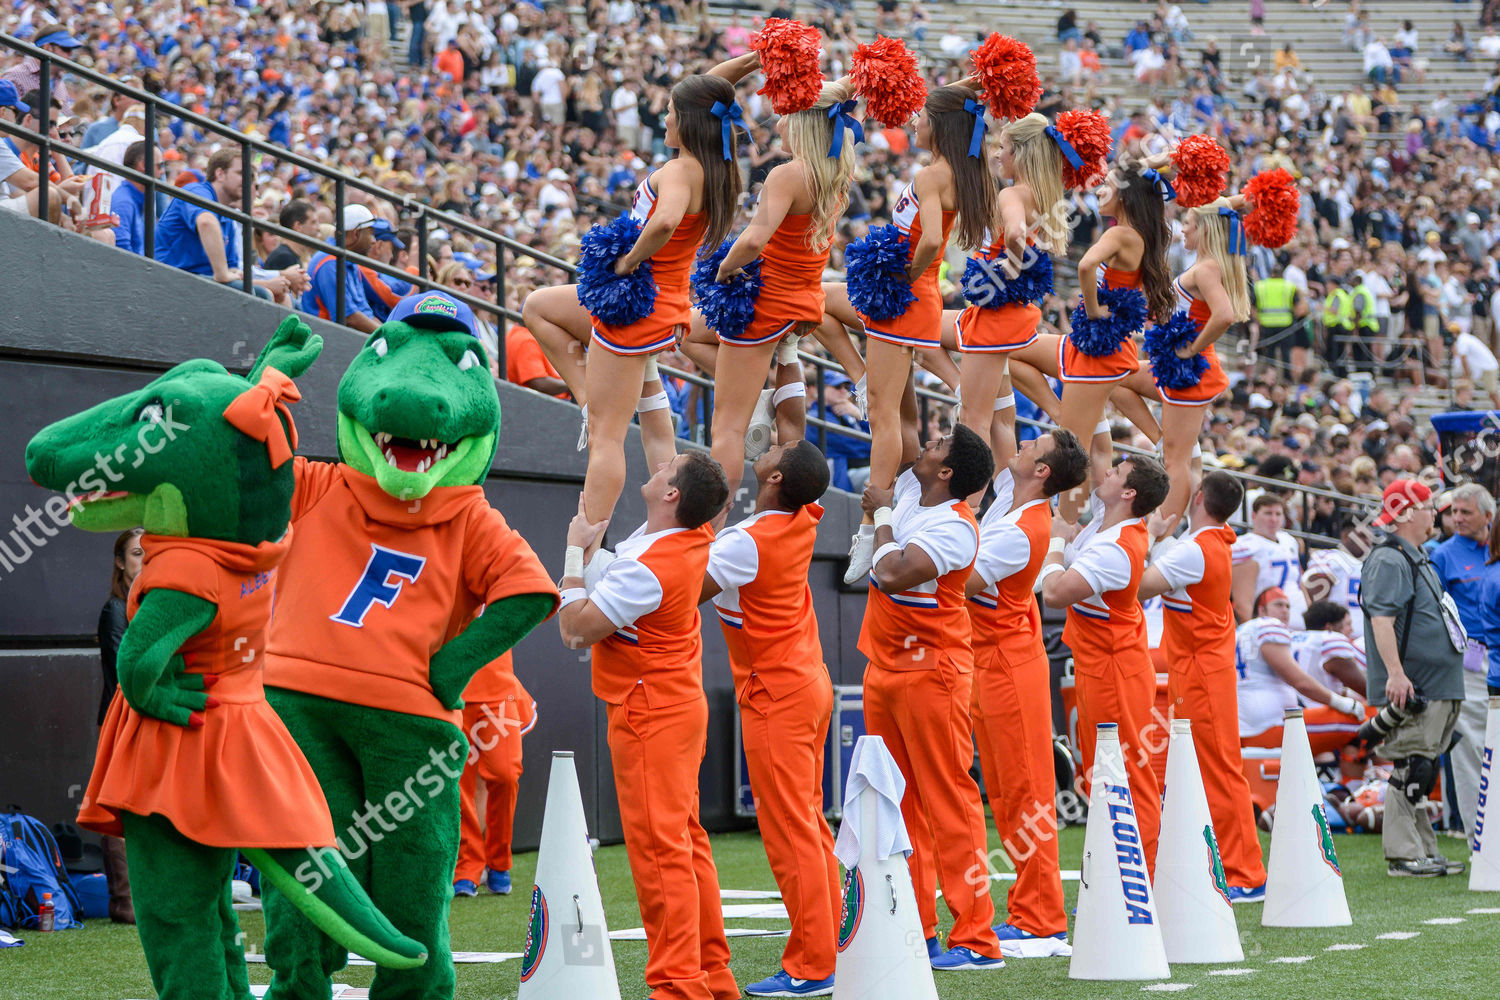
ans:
(923, 716)
(1203, 691)
(1012, 710)
(1122, 690)
(656, 755)
(784, 746)
(1328, 730)
(499, 766)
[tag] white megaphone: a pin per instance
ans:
(1304, 883)
(567, 942)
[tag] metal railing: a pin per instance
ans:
(421, 217)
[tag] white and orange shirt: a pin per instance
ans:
(765, 605)
(1313, 650)
(650, 593)
(1198, 612)
(1109, 622)
(926, 625)
(1280, 564)
(1264, 697)
(1344, 571)
(1005, 619)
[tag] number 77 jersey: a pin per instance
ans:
(1280, 565)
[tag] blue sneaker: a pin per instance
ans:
(960, 959)
(1016, 943)
(783, 985)
(465, 887)
(1255, 894)
(934, 949)
(498, 883)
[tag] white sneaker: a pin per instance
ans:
(583, 428)
(762, 427)
(861, 555)
(862, 398)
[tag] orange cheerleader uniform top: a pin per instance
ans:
(1075, 366)
(1005, 619)
(375, 586)
(997, 329)
(671, 269)
(791, 284)
(497, 685)
(1214, 380)
(239, 780)
(921, 324)
(1198, 623)
(1108, 624)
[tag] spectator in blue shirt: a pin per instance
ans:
(848, 456)
(322, 298)
(197, 240)
(128, 204)
(1138, 38)
(382, 291)
(1489, 606)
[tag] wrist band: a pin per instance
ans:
(1005, 402)
(571, 595)
(882, 516)
(658, 401)
(786, 392)
(1343, 703)
(1102, 427)
(884, 551)
(1047, 570)
(573, 562)
(650, 371)
(1057, 546)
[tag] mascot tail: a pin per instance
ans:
(337, 905)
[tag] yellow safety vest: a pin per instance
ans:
(1273, 301)
(1338, 309)
(1368, 320)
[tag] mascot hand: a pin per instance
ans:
(172, 695)
(449, 675)
(291, 350)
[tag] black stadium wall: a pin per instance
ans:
(83, 322)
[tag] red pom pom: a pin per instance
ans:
(885, 74)
(1007, 72)
(1274, 205)
(790, 54)
(1088, 133)
(1202, 170)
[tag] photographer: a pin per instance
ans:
(1416, 666)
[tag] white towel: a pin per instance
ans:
(872, 767)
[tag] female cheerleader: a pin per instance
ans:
(1214, 293)
(688, 202)
(954, 187)
(791, 233)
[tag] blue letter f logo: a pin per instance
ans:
(376, 583)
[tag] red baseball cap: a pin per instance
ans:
(1399, 497)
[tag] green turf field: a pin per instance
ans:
(104, 962)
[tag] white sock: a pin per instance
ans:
(786, 351)
(1197, 451)
(659, 401)
(1005, 402)
(651, 370)
(867, 529)
(1102, 427)
(789, 391)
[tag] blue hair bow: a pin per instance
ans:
(1065, 147)
(976, 138)
(1237, 244)
(1168, 192)
(840, 115)
(729, 115)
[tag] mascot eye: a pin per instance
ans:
(151, 413)
(467, 361)
(378, 346)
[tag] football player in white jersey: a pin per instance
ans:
(1266, 557)
(1333, 575)
(1326, 650)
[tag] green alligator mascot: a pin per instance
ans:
(401, 583)
(203, 459)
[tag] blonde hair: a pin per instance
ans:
(809, 137)
(1213, 242)
(1039, 165)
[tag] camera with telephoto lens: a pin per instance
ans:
(1378, 726)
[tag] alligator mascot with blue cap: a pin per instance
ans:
(401, 583)
(192, 763)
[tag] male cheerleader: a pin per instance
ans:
(757, 579)
(917, 686)
(1012, 702)
(1095, 578)
(498, 711)
(641, 619)
(1193, 576)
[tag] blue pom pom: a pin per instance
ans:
(727, 308)
(1099, 338)
(612, 299)
(876, 266)
(986, 286)
(1162, 342)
